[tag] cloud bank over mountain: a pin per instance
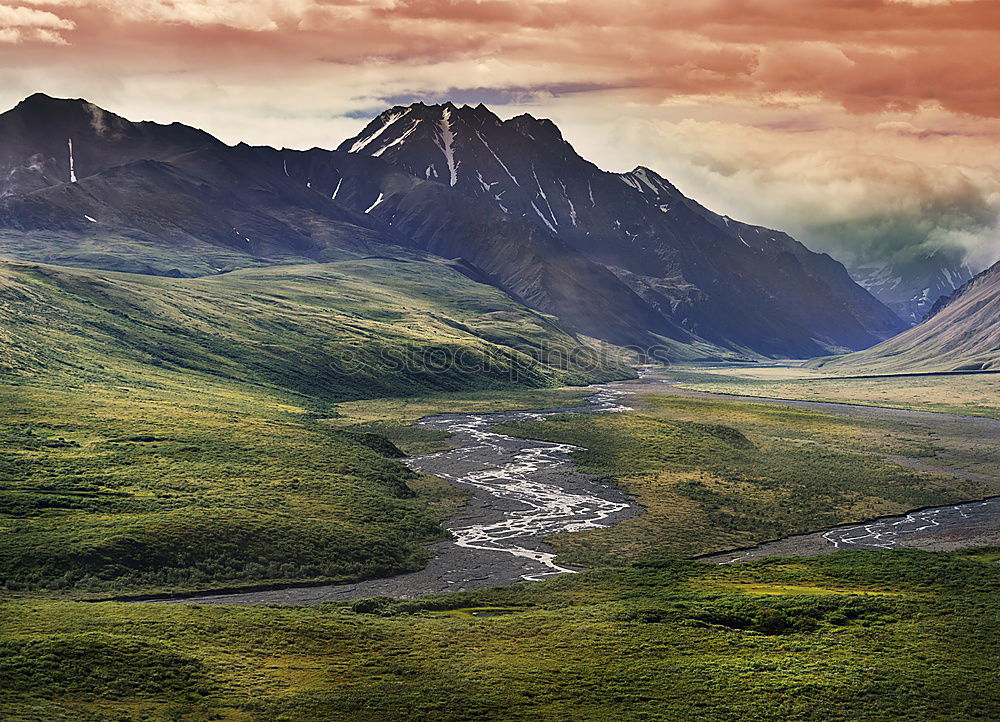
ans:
(889, 194)
(867, 127)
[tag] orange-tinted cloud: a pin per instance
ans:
(868, 55)
(840, 119)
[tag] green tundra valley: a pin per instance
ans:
(447, 422)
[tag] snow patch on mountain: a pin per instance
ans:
(406, 134)
(482, 182)
(631, 182)
(447, 144)
(378, 200)
(72, 168)
(569, 201)
(643, 177)
(390, 119)
(497, 159)
(544, 219)
(544, 197)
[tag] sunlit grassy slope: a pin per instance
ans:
(110, 490)
(355, 329)
(179, 433)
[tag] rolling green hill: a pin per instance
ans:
(180, 433)
(363, 328)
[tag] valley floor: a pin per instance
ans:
(772, 472)
(645, 634)
(715, 472)
(976, 394)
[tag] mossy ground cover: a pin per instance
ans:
(852, 636)
(718, 474)
(199, 484)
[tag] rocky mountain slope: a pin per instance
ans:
(911, 287)
(196, 206)
(621, 257)
(728, 282)
(961, 333)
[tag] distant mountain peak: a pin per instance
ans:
(961, 333)
(992, 273)
(46, 111)
(420, 122)
(644, 171)
(47, 141)
(43, 115)
(47, 105)
(646, 181)
(431, 110)
(912, 285)
(527, 123)
(42, 100)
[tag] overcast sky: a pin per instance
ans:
(866, 128)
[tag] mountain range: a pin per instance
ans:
(912, 286)
(733, 284)
(621, 257)
(961, 333)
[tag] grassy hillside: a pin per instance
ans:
(852, 636)
(355, 329)
(182, 433)
(109, 490)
